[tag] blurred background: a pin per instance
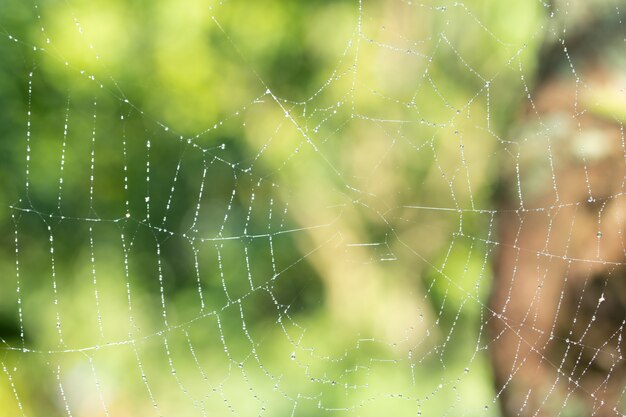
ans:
(264, 208)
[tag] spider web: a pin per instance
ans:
(332, 208)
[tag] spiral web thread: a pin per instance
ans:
(335, 255)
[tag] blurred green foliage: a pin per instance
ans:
(259, 142)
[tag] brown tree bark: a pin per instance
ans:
(559, 292)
